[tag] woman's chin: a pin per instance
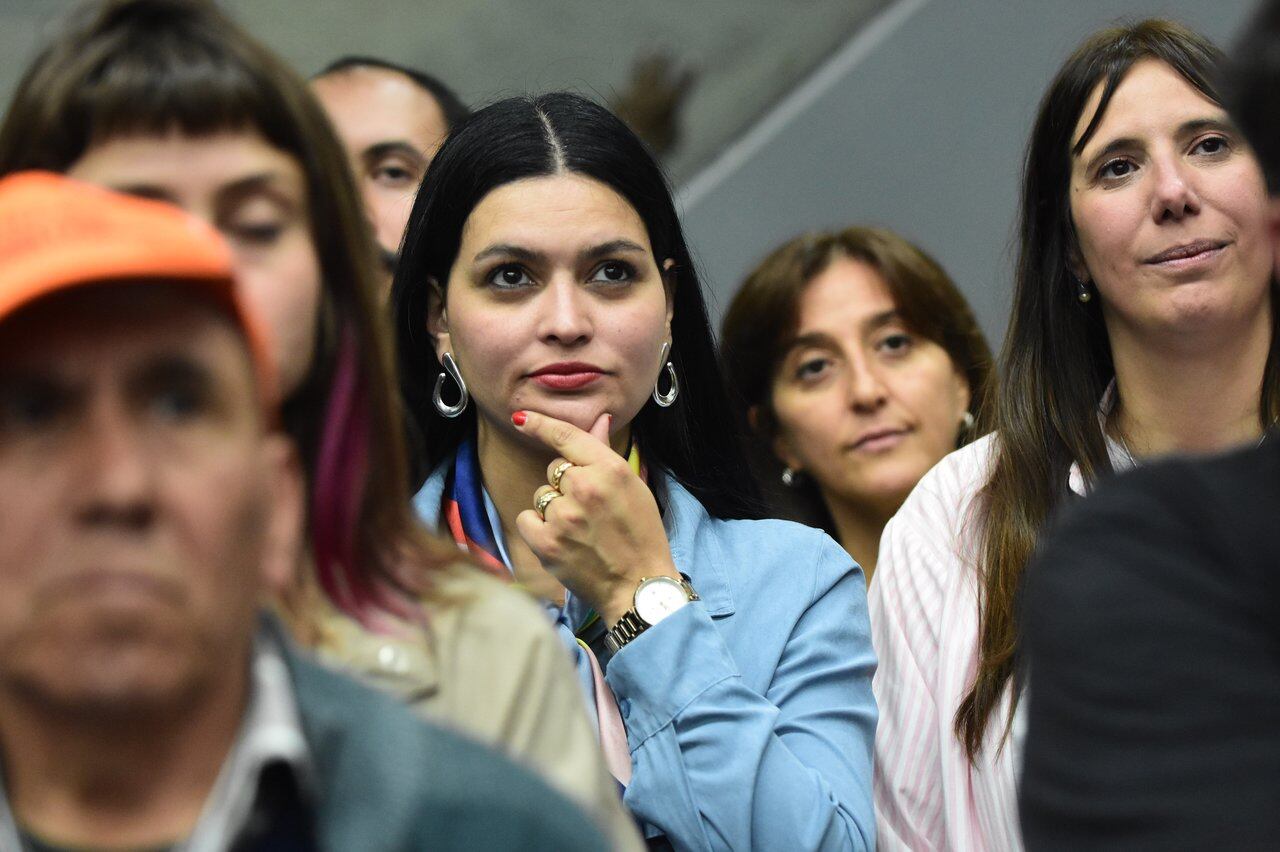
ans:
(582, 414)
(886, 486)
(584, 411)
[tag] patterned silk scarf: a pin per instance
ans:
(467, 518)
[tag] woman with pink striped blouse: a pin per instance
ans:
(1142, 326)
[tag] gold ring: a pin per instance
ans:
(558, 474)
(540, 505)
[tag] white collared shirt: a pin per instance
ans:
(923, 602)
(271, 733)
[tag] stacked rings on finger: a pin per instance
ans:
(540, 505)
(558, 473)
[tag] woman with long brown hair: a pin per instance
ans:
(170, 99)
(1142, 325)
(857, 365)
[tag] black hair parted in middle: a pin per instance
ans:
(697, 439)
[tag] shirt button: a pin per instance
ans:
(624, 706)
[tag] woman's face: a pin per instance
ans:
(1169, 206)
(555, 304)
(863, 406)
(256, 196)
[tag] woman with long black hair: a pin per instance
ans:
(557, 355)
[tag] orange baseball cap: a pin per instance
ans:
(57, 234)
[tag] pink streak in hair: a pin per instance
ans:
(341, 480)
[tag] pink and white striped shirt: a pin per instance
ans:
(923, 602)
(924, 625)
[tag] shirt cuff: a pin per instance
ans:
(664, 669)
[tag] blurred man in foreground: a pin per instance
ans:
(148, 506)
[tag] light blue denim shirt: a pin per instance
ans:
(749, 713)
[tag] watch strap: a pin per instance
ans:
(628, 627)
(631, 625)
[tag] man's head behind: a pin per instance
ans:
(391, 120)
(146, 505)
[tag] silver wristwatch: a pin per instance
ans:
(654, 600)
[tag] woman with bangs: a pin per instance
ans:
(1143, 325)
(171, 100)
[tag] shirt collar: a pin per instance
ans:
(495, 524)
(695, 544)
(1121, 458)
(427, 501)
(271, 732)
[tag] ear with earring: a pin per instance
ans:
(666, 400)
(965, 432)
(438, 324)
(1083, 293)
(451, 371)
(790, 477)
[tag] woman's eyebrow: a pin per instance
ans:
(880, 320)
(610, 247)
(261, 183)
(1186, 129)
(812, 339)
(1200, 125)
(1124, 143)
(508, 250)
(141, 189)
(530, 256)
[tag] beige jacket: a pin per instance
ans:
(493, 668)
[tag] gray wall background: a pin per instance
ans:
(746, 54)
(918, 125)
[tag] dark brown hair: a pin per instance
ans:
(1056, 360)
(129, 67)
(761, 322)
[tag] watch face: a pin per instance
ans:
(659, 597)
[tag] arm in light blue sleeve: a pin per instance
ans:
(717, 765)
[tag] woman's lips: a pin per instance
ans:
(1188, 254)
(880, 441)
(566, 381)
(567, 376)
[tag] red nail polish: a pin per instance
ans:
(519, 417)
